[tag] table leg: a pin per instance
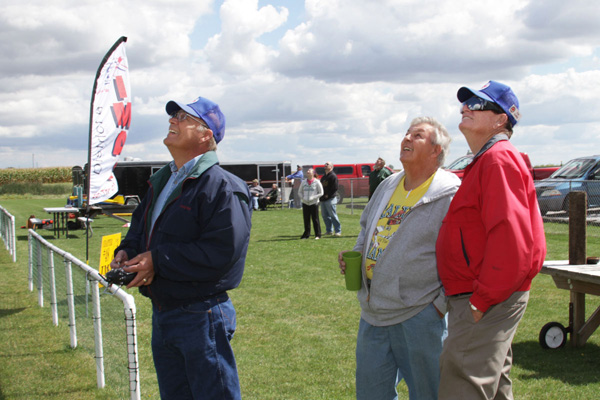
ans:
(578, 318)
(56, 225)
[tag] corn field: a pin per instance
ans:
(35, 175)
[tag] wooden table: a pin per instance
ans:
(60, 219)
(579, 280)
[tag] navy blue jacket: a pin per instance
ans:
(200, 239)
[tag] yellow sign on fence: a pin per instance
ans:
(107, 251)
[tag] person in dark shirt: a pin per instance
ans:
(270, 198)
(379, 173)
(329, 201)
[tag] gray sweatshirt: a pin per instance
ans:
(309, 194)
(405, 278)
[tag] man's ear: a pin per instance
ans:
(502, 120)
(437, 150)
(208, 135)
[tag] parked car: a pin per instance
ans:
(458, 167)
(580, 174)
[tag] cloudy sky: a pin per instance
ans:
(301, 81)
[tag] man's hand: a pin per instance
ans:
(438, 311)
(119, 259)
(341, 262)
(143, 265)
(477, 315)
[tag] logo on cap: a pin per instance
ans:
(514, 111)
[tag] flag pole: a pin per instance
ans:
(89, 163)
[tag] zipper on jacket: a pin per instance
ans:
(464, 250)
(151, 233)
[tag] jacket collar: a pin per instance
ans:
(493, 140)
(161, 177)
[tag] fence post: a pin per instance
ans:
(40, 279)
(577, 227)
(98, 333)
(351, 196)
(53, 302)
(71, 303)
(133, 365)
(31, 242)
(7, 232)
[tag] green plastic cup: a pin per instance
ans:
(353, 260)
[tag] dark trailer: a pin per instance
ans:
(132, 178)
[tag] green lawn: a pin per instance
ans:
(296, 322)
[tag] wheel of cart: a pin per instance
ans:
(553, 335)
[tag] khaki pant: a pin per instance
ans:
(477, 357)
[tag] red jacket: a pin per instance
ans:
(492, 240)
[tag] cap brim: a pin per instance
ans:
(172, 107)
(464, 94)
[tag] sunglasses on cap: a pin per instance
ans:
(478, 104)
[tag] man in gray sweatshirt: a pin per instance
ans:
(402, 325)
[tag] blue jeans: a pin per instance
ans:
(191, 350)
(329, 214)
(255, 202)
(409, 350)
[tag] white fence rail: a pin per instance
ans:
(7, 231)
(74, 300)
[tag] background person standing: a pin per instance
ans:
(379, 173)
(295, 179)
(490, 247)
(310, 190)
(329, 201)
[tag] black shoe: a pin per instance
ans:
(303, 237)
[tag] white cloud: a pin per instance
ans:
(341, 83)
(236, 49)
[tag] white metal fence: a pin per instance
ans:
(7, 231)
(74, 295)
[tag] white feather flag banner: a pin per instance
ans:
(110, 118)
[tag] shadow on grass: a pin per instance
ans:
(281, 238)
(50, 237)
(297, 237)
(11, 311)
(573, 366)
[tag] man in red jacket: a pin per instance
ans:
(490, 246)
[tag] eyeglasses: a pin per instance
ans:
(478, 104)
(181, 115)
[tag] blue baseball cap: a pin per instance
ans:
(497, 93)
(204, 109)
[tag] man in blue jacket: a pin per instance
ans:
(187, 243)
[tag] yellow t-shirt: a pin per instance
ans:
(397, 209)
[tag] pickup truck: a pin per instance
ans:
(458, 167)
(353, 179)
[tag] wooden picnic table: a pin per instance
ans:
(579, 280)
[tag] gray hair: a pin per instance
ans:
(441, 136)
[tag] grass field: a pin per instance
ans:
(296, 322)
